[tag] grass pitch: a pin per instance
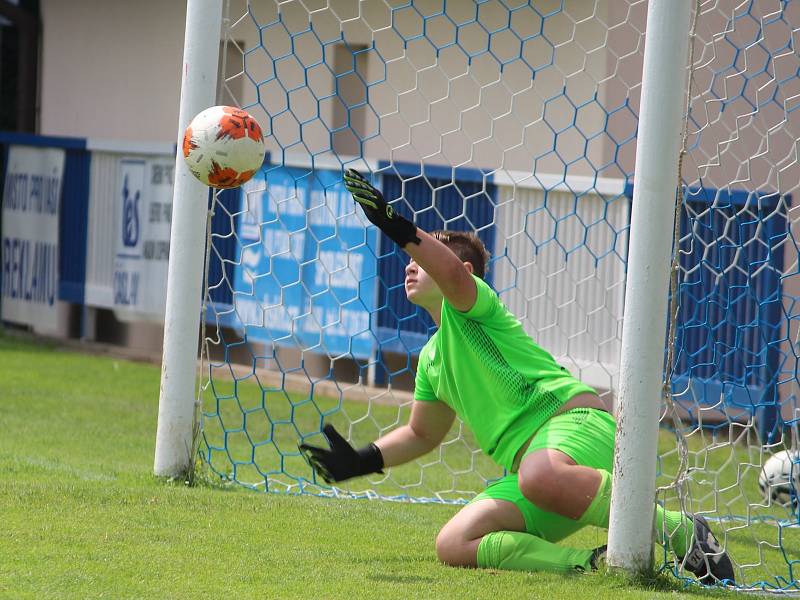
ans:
(83, 516)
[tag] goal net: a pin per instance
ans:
(732, 382)
(516, 120)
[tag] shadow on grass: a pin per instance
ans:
(203, 477)
(662, 582)
(20, 340)
(404, 579)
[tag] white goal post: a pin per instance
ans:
(630, 545)
(177, 415)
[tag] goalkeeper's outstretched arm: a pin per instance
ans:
(429, 423)
(436, 259)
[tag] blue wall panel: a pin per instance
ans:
(224, 246)
(441, 198)
(730, 317)
(73, 226)
(4, 158)
(728, 334)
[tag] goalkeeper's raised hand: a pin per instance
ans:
(400, 230)
(341, 461)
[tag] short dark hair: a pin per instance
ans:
(466, 246)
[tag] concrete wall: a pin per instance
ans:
(105, 80)
(111, 68)
(435, 101)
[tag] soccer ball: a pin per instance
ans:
(223, 146)
(779, 480)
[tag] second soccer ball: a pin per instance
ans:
(779, 480)
(223, 146)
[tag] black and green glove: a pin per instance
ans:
(400, 230)
(342, 461)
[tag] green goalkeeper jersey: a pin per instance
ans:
(484, 366)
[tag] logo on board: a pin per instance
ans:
(130, 214)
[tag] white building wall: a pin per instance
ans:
(111, 68)
(560, 269)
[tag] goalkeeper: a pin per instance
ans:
(551, 432)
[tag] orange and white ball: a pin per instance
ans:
(224, 146)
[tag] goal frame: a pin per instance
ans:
(642, 360)
(177, 418)
(664, 82)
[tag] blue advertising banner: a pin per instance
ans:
(307, 275)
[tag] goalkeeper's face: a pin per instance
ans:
(420, 288)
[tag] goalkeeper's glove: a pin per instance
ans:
(342, 461)
(400, 230)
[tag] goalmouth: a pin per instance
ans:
(631, 167)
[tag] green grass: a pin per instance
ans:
(83, 516)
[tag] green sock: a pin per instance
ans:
(678, 529)
(598, 511)
(676, 533)
(517, 551)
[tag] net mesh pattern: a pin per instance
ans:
(516, 120)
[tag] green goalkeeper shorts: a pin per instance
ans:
(584, 434)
